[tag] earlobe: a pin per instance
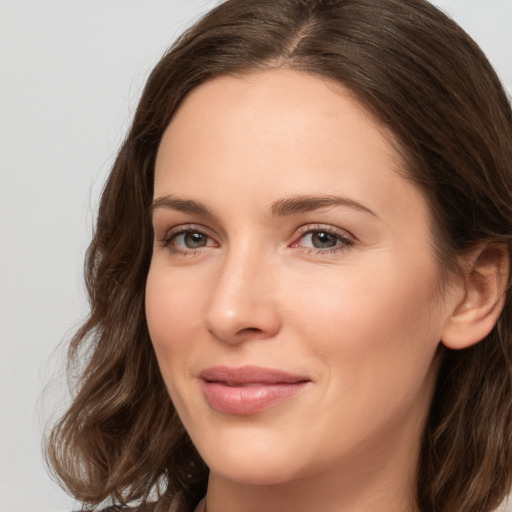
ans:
(482, 287)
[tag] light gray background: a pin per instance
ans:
(70, 75)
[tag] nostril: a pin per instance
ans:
(234, 319)
(249, 332)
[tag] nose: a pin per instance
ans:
(243, 304)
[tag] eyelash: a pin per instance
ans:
(343, 242)
(174, 233)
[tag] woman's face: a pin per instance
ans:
(293, 297)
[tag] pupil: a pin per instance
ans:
(194, 240)
(323, 240)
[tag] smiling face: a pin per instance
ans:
(293, 296)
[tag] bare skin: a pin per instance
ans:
(286, 239)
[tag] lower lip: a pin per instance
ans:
(247, 399)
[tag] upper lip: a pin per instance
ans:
(233, 376)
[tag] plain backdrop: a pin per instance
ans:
(71, 72)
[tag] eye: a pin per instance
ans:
(322, 239)
(190, 240)
(186, 240)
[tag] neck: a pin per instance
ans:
(384, 481)
(304, 496)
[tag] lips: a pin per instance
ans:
(249, 389)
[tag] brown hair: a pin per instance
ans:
(431, 84)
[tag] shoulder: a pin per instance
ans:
(115, 508)
(148, 507)
(122, 508)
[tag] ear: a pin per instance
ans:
(479, 296)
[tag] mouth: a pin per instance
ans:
(248, 390)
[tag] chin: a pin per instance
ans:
(251, 461)
(253, 472)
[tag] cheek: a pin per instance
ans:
(350, 301)
(375, 330)
(374, 342)
(172, 318)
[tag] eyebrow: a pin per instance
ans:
(299, 204)
(280, 208)
(181, 205)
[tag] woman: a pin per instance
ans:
(299, 274)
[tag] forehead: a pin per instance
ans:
(279, 133)
(275, 104)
